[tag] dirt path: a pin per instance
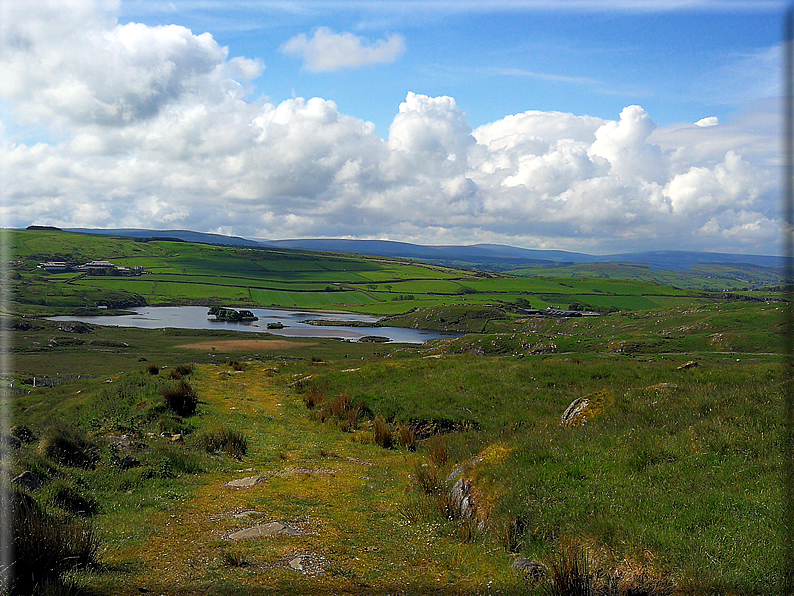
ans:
(317, 511)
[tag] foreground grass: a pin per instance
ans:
(672, 473)
(164, 525)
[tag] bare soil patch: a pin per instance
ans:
(237, 345)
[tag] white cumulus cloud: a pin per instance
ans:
(327, 51)
(159, 133)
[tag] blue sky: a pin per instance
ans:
(565, 125)
(681, 64)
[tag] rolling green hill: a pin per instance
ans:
(179, 273)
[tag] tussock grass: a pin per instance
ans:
(68, 446)
(406, 437)
(438, 450)
(182, 399)
(235, 558)
(224, 439)
(382, 434)
(67, 495)
(426, 479)
(46, 546)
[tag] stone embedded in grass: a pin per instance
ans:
(532, 568)
(308, 564)
(245, 514)
(687, 365)
(246, 482)
(574, 414)
(29, 480)
(270, 530)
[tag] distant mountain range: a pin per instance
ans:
(485, 256)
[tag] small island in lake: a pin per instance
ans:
(276, 325)
(229, 314)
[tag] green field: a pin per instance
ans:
(185, 273)
(666, 481)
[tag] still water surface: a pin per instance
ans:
(195, 317)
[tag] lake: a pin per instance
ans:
(195, 317)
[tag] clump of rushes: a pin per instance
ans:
(341, 408)
(68, 446)
(153, 370)
(350, 423)
(340, 405)
(382, 433)
(575, 571)
(45, 546)
(224, 440)
(183, 370)
(426, 479)
(66, 495)
(439, 451)
(182, 399)
(314, 397)
(235, 558)
(406, 437)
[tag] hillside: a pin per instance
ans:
(183, 273)
(686, 267)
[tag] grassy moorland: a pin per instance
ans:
(386, 469)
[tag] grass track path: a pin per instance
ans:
(353, 528)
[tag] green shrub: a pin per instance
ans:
(226, 440)
(182, 399)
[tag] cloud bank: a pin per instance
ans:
(150, 127)
(327, 51)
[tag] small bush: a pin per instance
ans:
(236, 365)
(45, 546)
(68, 446)
(153, 370)
(226, 440)
(382, 433)
(406, 437)
(182, 399)
(439, 451)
